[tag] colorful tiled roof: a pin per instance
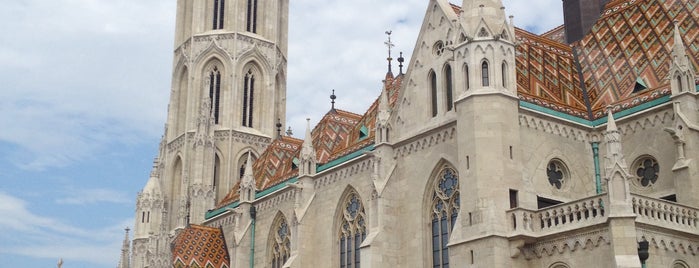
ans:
(331, 131)
(200, 246)
(632, 40)
(557, 34)
(547, 75)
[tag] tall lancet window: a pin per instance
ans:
(352, 231)
(484, 74)
(215, 92)
(248, 98)
(466, 78)
(281, 243)
(679, 84)
(504, 74)
(449, 87)
(219, 11)
(251, 18)
(433, 92)
(444, 209)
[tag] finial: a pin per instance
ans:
(289, 132)
(332, 101)
(390, 46)
(279, 128)
(60, 262)
(400, 63)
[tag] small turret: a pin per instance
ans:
(681, 70)
(308, 153)
(247, 184)
(124, 261)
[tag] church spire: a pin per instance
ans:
(679, 54)
(390, 46)
(681, 72)
(124, 261)
(308, 153)
(247, 184)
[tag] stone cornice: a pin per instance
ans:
(425, 140)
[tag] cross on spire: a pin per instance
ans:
(332, 101)
(390, 46)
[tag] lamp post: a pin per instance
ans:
(643, 251)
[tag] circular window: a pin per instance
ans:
(438, 48)
(646, 169)
(557, 173)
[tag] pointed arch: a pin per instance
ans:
(432, 79)
(177, 172)
(449, 87)
(680, 87)
(279, 245)
(485, 73)
(351, 228)
(505, 78)
(443, 199)
(220, 187)
(467, 81)
(252, 83)
(243, 160)
(180, 109)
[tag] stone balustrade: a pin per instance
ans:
(666, 214)
(572, 215)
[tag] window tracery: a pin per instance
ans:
(352, 232)
(281, 246)
(647, 170)
(557, 173)
(444, 210)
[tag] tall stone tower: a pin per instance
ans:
(227, 100)
(488, 139)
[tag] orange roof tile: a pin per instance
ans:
(200, 246)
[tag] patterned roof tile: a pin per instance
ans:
(200, 246)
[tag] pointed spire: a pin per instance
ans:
(308, 153)
(390, 46)
(247, 184)
(678, 49)
(384, 111)
(613, 139)
(124, 261)
(308, 140)
(611, 123)
(332, 101)
(400, 63)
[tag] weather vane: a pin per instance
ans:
(390, 45)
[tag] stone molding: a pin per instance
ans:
(669, 242)
(425, 140)
(649, 120)
(571, 243)
(271, 202)
(337, 174)
(554, 128)
(223, 135)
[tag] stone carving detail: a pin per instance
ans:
(364, 166)
(669, 243)
(176, 144)
(553, 128)
(274, 202)
(570, 243)
(422, 143)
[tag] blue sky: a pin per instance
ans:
(84, 86)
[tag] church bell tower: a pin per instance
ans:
(228, 93)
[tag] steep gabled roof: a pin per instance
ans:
(200, 246)
(632, 40)
(331, 131)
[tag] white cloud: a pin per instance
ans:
(93, 196)
(44, 237)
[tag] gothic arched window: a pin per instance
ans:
(281, 244)
(433, 92)
(466, 78)
(352, 231)
(248, 98)
(444, 209)
(448, 83)
(679, 84)
(217, 183)
(484, 74)
(215, 92)
(219, 10)
(504, 74)
(251, 18)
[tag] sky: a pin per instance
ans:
(84, 88)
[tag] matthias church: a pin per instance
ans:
(491, 147)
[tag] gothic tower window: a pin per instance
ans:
(181, 106)
(679, 84)
(433, 92)
(504, 74)
(352, 231)
(242, 162)
(466, 80)
(444, 209)
(215, 92)
(219, 188)
(448, 82)
(281, 243)
(485, 78)
(251, 18)
(248, 98)
(219, 10)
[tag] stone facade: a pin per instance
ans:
(491, 151)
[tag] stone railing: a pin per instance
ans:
(562, 217)
(665, 214)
